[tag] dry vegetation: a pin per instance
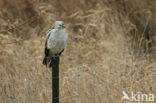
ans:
(111, 49)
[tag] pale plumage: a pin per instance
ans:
(56, 41)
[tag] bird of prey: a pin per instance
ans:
(56, 41)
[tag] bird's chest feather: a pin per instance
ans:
(59, 36)
(58, 42)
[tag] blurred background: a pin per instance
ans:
(111, 48)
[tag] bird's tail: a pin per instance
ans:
(46, 60)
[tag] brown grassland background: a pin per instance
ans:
(111, 48)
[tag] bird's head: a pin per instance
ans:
(58, 24)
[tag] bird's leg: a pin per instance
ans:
(57, 55)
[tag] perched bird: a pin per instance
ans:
(56, 41)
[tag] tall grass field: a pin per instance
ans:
(111, 50)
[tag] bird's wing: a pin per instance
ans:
(50, 42)
(46, 51)
(47, 37)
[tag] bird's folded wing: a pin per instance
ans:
(47, 37)
(50, 40)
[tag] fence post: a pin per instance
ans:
(55, 80)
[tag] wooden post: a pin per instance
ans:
(55, 80)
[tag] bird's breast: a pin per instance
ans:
(60, 42)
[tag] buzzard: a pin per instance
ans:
(56, 41)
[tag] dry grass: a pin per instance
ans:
(99, 63)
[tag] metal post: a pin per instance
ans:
(55, 80)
